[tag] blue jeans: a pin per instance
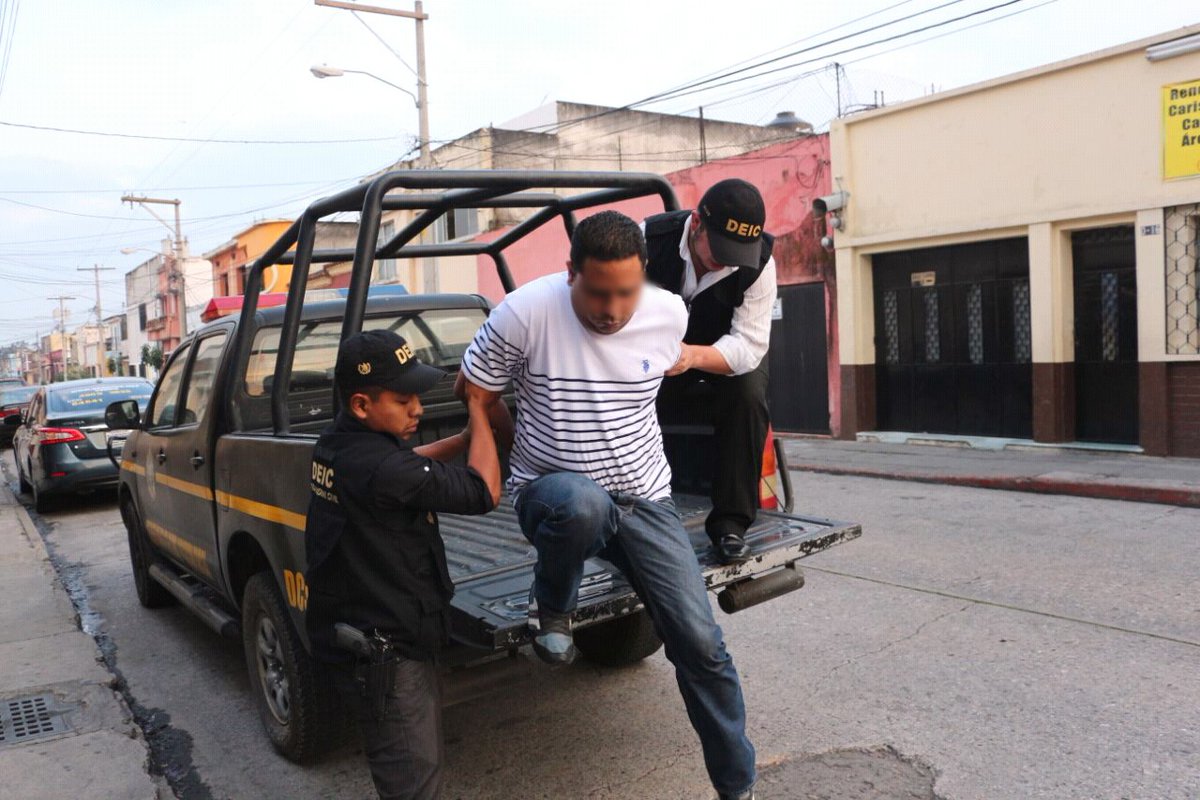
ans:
(569, 518)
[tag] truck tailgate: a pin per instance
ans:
(492, 566)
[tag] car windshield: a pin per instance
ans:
(86, 399)
(17, 394)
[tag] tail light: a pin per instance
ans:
(58, 435)
(768, 485)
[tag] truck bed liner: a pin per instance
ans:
(492, 563)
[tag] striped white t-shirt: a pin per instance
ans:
(585, 400)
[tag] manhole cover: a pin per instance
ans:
(23, 719)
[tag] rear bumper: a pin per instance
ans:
(81, 474)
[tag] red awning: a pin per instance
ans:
(224, 306)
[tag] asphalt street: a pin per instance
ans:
(972, 644)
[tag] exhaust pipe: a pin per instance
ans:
(752, 591)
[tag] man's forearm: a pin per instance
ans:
(483, 456)
(444, 449)
(707, 358)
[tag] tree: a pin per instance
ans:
(152, 356)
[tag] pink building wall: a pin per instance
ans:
(789, 175)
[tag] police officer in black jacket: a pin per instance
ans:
(718, 259)
(376, 561)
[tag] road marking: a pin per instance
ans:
(994, 604)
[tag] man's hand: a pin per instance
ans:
(474, 396)
(687, 360)
(702, 357)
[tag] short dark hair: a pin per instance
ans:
(344, 394)
(606, 236)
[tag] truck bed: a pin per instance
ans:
(491, 563)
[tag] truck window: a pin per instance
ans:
(203, 376)
(438, 337)
(162, 411)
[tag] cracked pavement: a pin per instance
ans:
(972, 644)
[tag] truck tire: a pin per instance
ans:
(150, 593)
(296, 698)
(619, 642)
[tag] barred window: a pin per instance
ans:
(1182, 242)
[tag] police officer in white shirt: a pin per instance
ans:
(718, 259)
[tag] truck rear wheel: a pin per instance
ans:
(619, 642)
(150, 593)
(296, 699)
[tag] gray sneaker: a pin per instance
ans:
(552, 639)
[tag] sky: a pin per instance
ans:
(239, 70)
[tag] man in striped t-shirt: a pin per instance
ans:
(586, 352)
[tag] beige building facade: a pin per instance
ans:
(1018, 258)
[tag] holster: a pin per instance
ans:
(375, 667)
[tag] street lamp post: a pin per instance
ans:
(419, 16)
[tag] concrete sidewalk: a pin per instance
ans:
(66, 731)
(1082, 473)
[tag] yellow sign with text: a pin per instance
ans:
(1181, 129)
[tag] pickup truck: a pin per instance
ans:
(215, 471)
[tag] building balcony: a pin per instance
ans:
(156, 324)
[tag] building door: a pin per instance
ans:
(952, 340)
(1106, 363)
(798, 360)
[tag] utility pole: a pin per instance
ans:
(101, 350)
(62, 335)
(177, 273)
(703, 144)
(419, 16)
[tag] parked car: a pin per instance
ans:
(13, 402)
(6, 383)
(60, 445)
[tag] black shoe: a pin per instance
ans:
(732, 549)
(552, 638)
(746, 795)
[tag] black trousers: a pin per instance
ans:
(736, 406)
(405, 749)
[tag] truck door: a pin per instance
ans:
(182, 459)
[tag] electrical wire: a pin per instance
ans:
(156, 138)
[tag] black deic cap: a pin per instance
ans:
(383, 359)
(733, 214)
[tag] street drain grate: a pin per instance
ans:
(26, 718)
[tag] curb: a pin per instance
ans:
(1128, 492)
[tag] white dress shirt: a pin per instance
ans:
(746, 343)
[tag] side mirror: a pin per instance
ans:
(122, 415)
(13, 420)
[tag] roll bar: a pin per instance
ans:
(433, 194)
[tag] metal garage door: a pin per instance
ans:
(952, 340)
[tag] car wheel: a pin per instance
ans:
(41, 503)
(295, 695)
(24, 484)
(619, 642)
(150, 593)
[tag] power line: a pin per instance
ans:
(163, 188)
(383, 42)
(155, 138)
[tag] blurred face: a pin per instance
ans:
(388, 412)
(605, 293)
(701, 250)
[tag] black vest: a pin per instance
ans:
(710, 315)
(373, 571)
